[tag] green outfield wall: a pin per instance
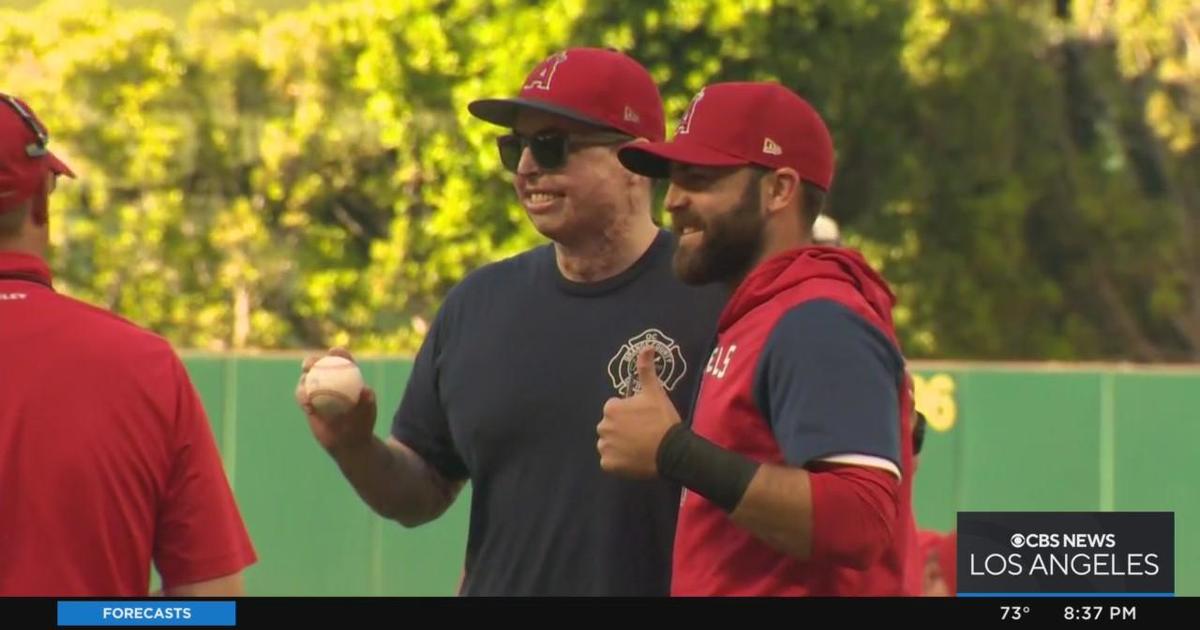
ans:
(1002, 437)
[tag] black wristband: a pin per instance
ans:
(717, 474)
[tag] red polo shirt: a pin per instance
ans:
(107, 460)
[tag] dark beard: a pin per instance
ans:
(729, 246)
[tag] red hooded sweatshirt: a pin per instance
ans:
(807, 369)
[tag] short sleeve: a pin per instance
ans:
(828, 383)
(420, 421)
(200, 534)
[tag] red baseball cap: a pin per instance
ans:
(24, 158)
(596, 86)
(736, 124)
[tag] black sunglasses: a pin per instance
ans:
(37, 149)
(550, 148)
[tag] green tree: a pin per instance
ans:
(1025, 173)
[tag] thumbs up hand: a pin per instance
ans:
(632, 428)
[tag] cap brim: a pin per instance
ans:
(59, 167)
(653, 159)
(503, 111)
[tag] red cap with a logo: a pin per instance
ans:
(24, 158)
(597, 86)
(736, 124)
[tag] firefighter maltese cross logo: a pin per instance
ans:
(668, 362)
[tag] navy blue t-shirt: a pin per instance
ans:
(507, 390)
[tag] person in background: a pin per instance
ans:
(825, 231)
(107, 461)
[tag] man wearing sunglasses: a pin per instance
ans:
(796, 476)
(505, 388)
(107, 460)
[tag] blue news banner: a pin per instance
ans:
(160, 613)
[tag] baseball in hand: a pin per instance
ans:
(333, 385)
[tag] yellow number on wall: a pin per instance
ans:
(935, 398)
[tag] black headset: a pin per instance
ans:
(36, 149)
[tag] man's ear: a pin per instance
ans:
(781, 189)
(635, 178)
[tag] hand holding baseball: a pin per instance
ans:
(339, 408)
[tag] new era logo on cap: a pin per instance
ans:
(631, 116)
(739, 124)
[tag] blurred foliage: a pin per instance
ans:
(1026, 173)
